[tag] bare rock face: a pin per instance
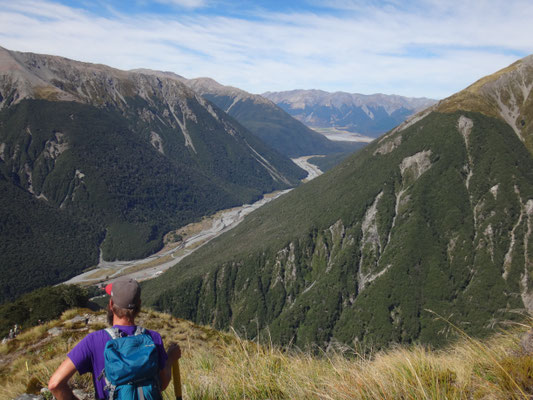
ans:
(527, 342)
(55, 331)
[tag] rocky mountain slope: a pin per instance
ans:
(125, 155)
(435, 215)
(267, 121)
(369, 115)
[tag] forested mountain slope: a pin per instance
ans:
(127, 156)
(436, 215)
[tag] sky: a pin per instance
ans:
(415, 48)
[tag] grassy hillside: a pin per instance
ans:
(419, 220)
(218, 365)
(44, 304)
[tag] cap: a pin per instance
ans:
(125, 293)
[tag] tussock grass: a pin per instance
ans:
(471, 369)
(218, 365)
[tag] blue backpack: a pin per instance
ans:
(131, 366)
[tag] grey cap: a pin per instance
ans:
(125, 293)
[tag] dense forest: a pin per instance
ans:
(74, 176)
(42, 305)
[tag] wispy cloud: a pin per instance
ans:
(184, 3)
(417, 48)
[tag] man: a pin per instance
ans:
(88, 355)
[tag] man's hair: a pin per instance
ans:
(127, 313)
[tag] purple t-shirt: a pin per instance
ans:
(88, 355)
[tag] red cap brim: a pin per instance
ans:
(108, 288)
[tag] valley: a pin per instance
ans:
(433, 215)
(193, 236)
(337, 134)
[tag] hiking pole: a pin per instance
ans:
(176, 379)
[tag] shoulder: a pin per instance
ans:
(156, 337)
(94, 340)
(95, 337)
(88, 349)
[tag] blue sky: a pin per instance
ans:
(430, 48)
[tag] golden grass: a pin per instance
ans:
(472, 98)
(468, 370)
(46, 93)
(218, 365)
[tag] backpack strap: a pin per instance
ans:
(139, 331)
(113, 332)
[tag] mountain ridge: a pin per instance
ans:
(437, 214)
(267, 121)
(359, 113)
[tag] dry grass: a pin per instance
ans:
(470, 369)
(219, 365)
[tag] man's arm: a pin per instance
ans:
(58, 383)
(174, 353)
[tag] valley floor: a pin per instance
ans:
(194, 236)
(340, 135)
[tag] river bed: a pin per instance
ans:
(154, 265)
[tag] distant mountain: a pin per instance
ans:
(267, 121)
(369, 115)
(434, 218)
(125, 155)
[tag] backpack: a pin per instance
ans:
(131, 366)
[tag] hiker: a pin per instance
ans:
(88, 355)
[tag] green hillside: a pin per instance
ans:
(108, 177)
(118, 159)
(435, 216)
(385, 235)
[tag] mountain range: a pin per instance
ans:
(92, 156)
(427, 228)
(268, 121)
(369, 115)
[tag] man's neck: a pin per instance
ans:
(122, 321)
